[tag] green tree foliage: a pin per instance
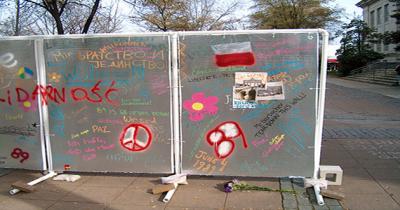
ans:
(291, 14)
(355, 50)
(182, 15)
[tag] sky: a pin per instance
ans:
(351, 10)
(350, 6)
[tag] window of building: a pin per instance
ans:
(378, 16)
(372, 18)
(386, 13)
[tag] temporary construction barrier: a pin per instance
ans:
(243, 103)
(111, 103)
(249, 103)
(21, 140)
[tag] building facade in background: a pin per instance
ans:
(376, 13)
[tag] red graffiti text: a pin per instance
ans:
(18, 153)
(221, 138)
(58, 95)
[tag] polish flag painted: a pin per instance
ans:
(233, 54)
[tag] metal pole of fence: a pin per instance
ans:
(45, 112)
(175, 85)
(320, 114)
(44, 119)
(38, 59)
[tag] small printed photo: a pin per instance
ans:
(243, 99)
(247, 83)
(272, 91)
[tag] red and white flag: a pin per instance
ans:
(234, 54)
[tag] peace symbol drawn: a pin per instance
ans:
(135, 137)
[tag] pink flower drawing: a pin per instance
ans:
(28, 105)
(200, 105)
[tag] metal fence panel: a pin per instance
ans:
(20, 141)
(110, 104)
(249, 103)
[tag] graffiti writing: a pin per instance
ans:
(201, 71)
(61, 55)
(83, 74)
(288, 51)
(285, 66)
(277, 43)
(7, 60)
(227, 99)
(111, 121)
(135, 137)
(50, 93)
(17, 153)
(275, 113)
(123, 58)
(273, 147)
(18, 116)
(100, 129)
(221, 138)
(87, 148)
(76, 135)
(212, 76)
(134, 101)
(208, 164)
(106, 110)
(123, 45)
(257, 143)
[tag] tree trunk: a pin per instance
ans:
(17, 15)
(91, 16)
(57, 19)
(52, 7)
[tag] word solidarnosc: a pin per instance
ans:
(50, 93)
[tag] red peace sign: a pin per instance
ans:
(135, 137)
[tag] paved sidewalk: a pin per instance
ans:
(393, 91)
(361, 134)
(118, 192)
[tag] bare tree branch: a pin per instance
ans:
(165, 15)
(90, 18)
